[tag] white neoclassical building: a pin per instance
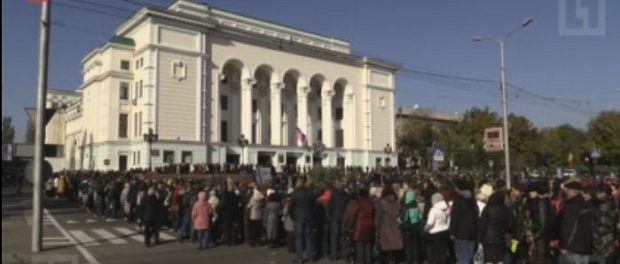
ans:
(203, 78)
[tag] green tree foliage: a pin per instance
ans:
(604, 132)
(8, 130)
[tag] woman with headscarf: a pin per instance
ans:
(409, 221)
(201, 217)
(437, 225)
(273, 211)
(386, 217)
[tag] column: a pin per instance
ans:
(302, 112)
(327, 119)
(276, 113)
(246, 109)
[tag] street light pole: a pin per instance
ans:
(504, 86)
(39, 140)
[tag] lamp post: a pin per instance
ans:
(318, 148)
(243, 142)
(150, 137)
(501, 41)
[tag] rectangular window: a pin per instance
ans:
(135, 124)
(125, 65)
(133, 156)
(141, 62)
(319, 135)
(140, 124)
(124, 91)
(319, 113)
(122, 126)
(339, 138)
(224, 131)
(141, 89)
(138, 157)
(137, 64)
(186, 157)
(224, 102)
(169, 156)
(339, 113)
(254, 106)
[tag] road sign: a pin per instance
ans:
(438, 155)
(493, 139)
(596, 153)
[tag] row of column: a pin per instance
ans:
(276, 112)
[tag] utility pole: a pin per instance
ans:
(39, 140)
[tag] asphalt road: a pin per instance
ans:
(73, 235)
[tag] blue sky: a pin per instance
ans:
(576, 71)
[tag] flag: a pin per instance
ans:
(301, 137)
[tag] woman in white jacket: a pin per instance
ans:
(437, 225)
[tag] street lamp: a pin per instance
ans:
(150, 138)
(318, 148)
(243, 142)
(501, 41)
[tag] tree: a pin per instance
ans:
(604, 132)
(8, 130)
(523, 136)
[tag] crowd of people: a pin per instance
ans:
(368, 217)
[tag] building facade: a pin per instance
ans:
(219, 87)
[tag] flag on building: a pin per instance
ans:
(301, 137)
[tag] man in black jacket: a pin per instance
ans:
(538, 209)
(335, 214)
(576, 225)
(153, 213)
(464, 220)
(228, 212)
(303, 203)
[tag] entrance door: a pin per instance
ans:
(122, 162)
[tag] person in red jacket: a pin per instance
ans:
(201, 215)
(360, 223)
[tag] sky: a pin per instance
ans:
(572, 76)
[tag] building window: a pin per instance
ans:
(254, 106)
(378, 162)
(186, 157)
(224, 102)
(138, 157)
(141, 89)
(169, 156)
(135, 90)
(140, 123)
(224, 131)
(141, 62)
(382, 102)
(125, 65)
(124, 91)
(339, 114)
(122, 126)
(135, 124)
(319, 135)
(179, 70)
(339, 138)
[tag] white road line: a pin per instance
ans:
(83, 238)
(109, 236)
(165, 236)
(89, 257)
(71, 222)
(60, 243)
(90, 220)
(128, 232)
(55, 238)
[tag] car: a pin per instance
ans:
(569, 173)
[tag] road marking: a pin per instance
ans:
(83, 238)
(128, 232)
(109, 236)
(89, 257)
(90, 220)
(165, 236)
(60, 243)
(55, 238)
(71, 222)
(110, 220)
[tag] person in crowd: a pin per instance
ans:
(518, 247)
(229, 208)
(215, 228)
(359, 222)
(303, 203)
(437, 226)
(153, 210)
(605, 219)
(289, 226)
(256, 208)
(201, 217)
(538, 223)
(463, 222)
(576, 220)
(125, 202)
(495, 224)
(273, 211)
(409, 220)
(386, 221)
(335, 216)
